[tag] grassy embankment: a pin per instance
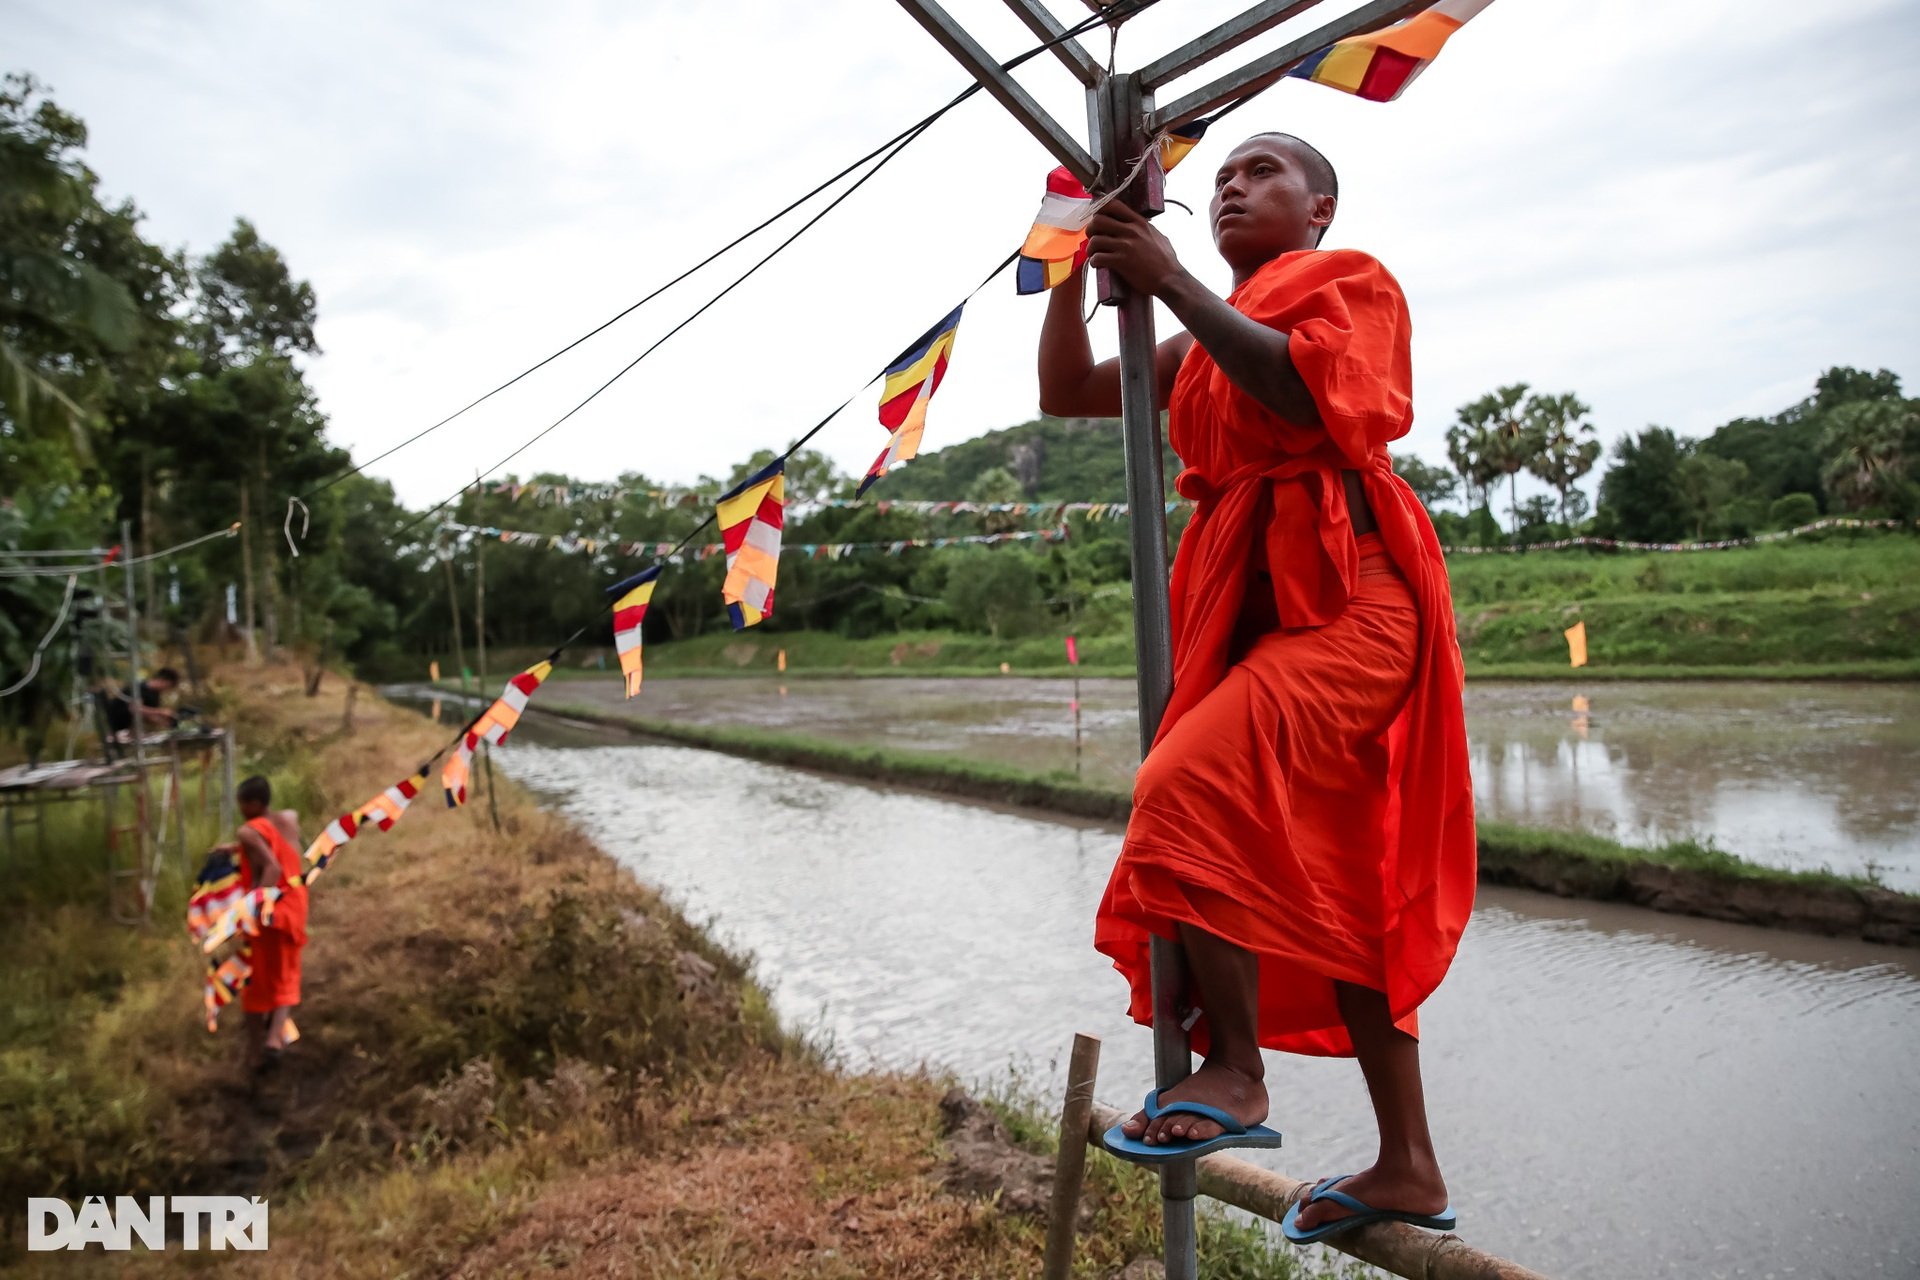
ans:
(1843, 608)
(1684, 877)
(516, 1058)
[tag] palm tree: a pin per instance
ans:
(1504, 439)
(1867, 454)
(1568, 448)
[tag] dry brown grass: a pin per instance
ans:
(516, 1060)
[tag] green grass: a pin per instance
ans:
(1835, 608)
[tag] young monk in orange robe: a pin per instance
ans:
(270, 842)
(1303, 825)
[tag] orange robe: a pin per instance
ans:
(1307, 797)
(275, 956)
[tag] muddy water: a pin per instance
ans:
(1793, 775)
(1615, 1093)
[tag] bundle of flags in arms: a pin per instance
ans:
(224, 913)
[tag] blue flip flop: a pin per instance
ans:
(1142, 1152)
(1359, 1213)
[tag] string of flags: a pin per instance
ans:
(673, 553)
(752, 516)
(1717, 544)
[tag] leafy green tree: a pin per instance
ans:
(1505, 440)
(1466, 451)
(1568, 447)
(996, 591)
(1793, 510)
(1869, 452)
(1640, 495)
(62, 315)
(1708, 486)
(1431, 484)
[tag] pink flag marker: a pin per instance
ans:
(1073, 654)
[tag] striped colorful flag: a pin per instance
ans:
(751, 516)
(908, 387)
(385, 809)
(1380, 66)
(505, 712)
(458, 768)
(493, 726)
(1057, 244)
(629, 611)
(338, 832)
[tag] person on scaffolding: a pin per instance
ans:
(1303, 825)
(269, 842)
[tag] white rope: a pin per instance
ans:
(33, 668)
(306, 520)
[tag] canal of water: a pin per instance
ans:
(1615, 1093)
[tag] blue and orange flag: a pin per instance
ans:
(629, 611)
(1379, 66)
(751, 517)
(1057, 244)
(327, 843)
(385, 809)
(908, 386)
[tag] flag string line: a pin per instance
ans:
(906, 134)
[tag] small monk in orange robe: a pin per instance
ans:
(1303, 824)
(269, 840)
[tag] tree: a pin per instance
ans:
(61, 314)
(1640, 495)
(1568, 448)
(996, 591)
(1708, 484)
(1503, 438)
(1868, 445)
(1431, 484)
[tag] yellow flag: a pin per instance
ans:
(1577, 643)
(433, 671)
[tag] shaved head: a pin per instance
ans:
(1321, 179)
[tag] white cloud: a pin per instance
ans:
(1681, 212)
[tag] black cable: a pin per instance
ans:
(739, 280)
(732, 244)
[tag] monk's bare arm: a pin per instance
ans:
(260, 860)
(1252, 355)
(1248, 352)
(1071, 384)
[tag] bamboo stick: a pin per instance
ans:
(1070, 1166)
(1391, 1246)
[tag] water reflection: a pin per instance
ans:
(1795, 775)
(1616, 1093)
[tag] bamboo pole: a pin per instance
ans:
(1070, 1166)
(1392, 1246)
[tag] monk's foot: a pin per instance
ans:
(1414, 1187)
(1238, 1093)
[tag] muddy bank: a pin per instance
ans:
(1716, 886)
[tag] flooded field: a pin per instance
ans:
(1793, 775)
(1615, 1093)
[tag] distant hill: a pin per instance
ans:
(1054, 459)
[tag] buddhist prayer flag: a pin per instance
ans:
(910, 382)
(1379, 67)
(628, 613)
(458, 768)
(1577, 644)
(493, 726)
(1057, 244)
(751, 517)
(505, 712)
(385, 809)
(321, 851)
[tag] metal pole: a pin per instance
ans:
(1119, 131)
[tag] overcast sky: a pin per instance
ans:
(1681, 211)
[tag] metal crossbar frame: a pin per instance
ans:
(1122, 121)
